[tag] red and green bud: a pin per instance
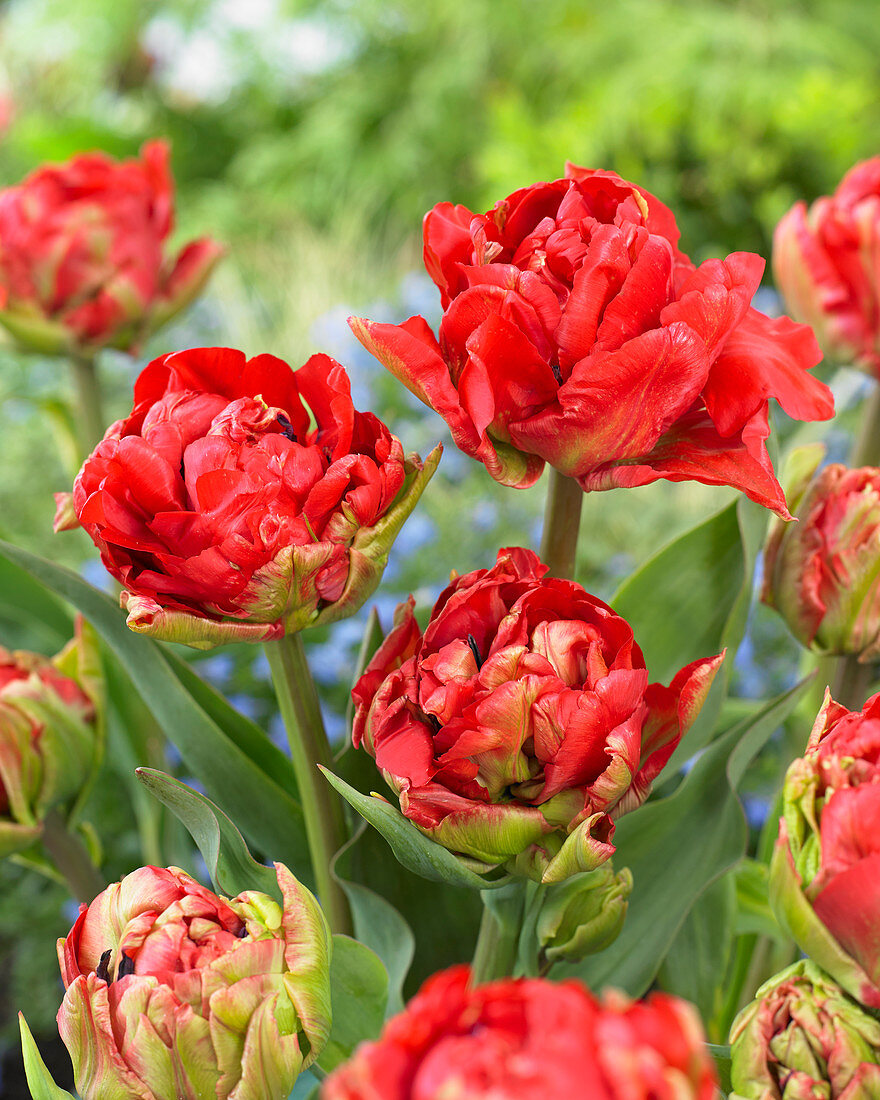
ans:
(803, 1038)
(584, 914)
(825, 872)
(50, 735)
(175, 993)
(82, 254)
(241, 500)
(822, 574)
(825, 264)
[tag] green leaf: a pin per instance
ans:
(696, 963)
(266, 811)
(39, 1079)
(231, 866)
(679, 601)
(721, 1058)
(413, 849)
(676, 847)
(753, 912)
(378, 925)
(358, 993)
(26, 602)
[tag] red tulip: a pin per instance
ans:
(82, 260)
(825, 262)
(825, 875)
(576, 333)
(241, 500)
(529, 1038)
(521, 723)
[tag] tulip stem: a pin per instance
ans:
(90, 411)
(497, 947)
(322, 808)
(852, 681)
(72, 858)
(562, 520)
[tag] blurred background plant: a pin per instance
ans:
(310, 138)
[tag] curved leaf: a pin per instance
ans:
(413, 849)
(39, 1079)
(358, 993)
(231, 866)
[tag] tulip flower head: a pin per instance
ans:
(241, 500)
(575, 332)
(82, 254)
(825, 264)
(821, 573)
(521, 723)
(50, 743)
(802, 1036)
(825, 873)
(521, 1039)
(172, 991)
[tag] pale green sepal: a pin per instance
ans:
(146, 616)
(40, 1082)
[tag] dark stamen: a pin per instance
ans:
(435, 722)
(182, 471)
(126, 966)
(102, 969)
(557, 373)
(287, 428)
(473, 648)
(242, 932)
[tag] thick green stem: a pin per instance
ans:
(852, 681)
(322, 808)
(562, 520)
(498, 940)
(91, 424)
(72, 859)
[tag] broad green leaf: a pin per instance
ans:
(39, 1079)
(753, 912)
(306, 1087)
(413, 849)
(676, 847)
(249, 737)
(26, 602)
(721, 1058)
(696, 963)
(377, 924)
(679, 601)
(267, 812)
(358, 993)
(231, 866)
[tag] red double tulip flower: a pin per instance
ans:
(575, 332)
(82, 253)
(521, 723)
(825, 874)
(529, 1038)
(241, 499)
(825, 263)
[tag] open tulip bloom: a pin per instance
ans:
(520, 1040)
(241, 500)
(575, 332)
(521, 723)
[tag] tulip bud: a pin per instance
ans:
(801, 1038)
(172, 991)
(825, 871)
(583, 914)
(50, 743)
(82, 261)
(824, 261)
(822, 574)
